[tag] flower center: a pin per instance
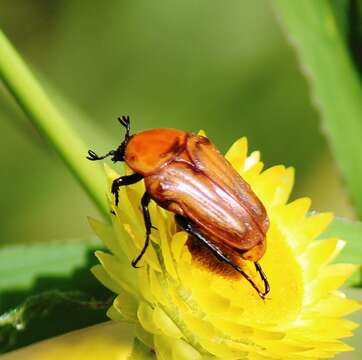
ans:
(236, 301)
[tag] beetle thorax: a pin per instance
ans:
(148, 151)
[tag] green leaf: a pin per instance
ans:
(351, 232)
(328, 65)
(47, 290)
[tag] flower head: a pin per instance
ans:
(183, 310)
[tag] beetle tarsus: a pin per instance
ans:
(121, 181)
(188, 226)
(148, 225)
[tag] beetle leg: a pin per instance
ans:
(263, 277)
(124, 180)
(147, 219)
(188, 226)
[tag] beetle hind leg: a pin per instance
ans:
(263, 277)
(189, 227)
(148, 225)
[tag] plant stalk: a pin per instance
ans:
(49, 121)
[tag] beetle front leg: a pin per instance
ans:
(148, 225)
(189, 227)
(124, 180)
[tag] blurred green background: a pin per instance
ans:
(223, 67)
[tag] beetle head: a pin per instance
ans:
(118, 154)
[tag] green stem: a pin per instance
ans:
(51, 124)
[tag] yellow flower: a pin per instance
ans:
(184, 311)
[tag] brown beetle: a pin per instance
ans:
(185, 174)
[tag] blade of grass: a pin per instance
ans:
(47, 290)
(49, 121)
(312, 28)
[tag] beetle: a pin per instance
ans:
(184, 173)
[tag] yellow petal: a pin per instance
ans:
(274, 185)
(145, 337)
(199, 327)
(335, 305)
(179, 302)
(106, 233)
(323, 328)
(318, 254)
(311, 228)
(252, 172)
(103, 277)
(181, 350)
(165, 324)
(114, 314)
(163, 347)
(111, 341)
(252, 160)
(232, 329)
(156, 288)
(177, 243)
(126, 305)
(121, 274)
(329, 279)
(222, 350)
(125, 241)
(165, 245)
(149, 257)
(138, 187)
(236, 155)
(111, 174)
(146, 318)
(213, 302)
(144, 284)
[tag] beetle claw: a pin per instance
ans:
(134, 264)
(92, 155)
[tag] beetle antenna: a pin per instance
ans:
(94, 157)
(125, 121)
